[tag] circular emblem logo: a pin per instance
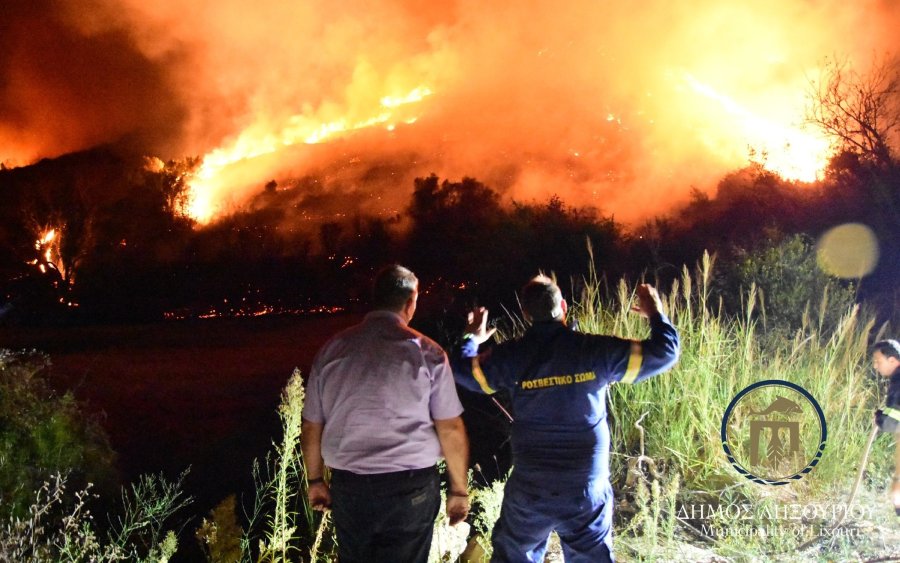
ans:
(774, 432)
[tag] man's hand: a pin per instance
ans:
(319, 496)
(318, 493)
(457, 508)
(648, 301)
(455, 447)
(477, 326)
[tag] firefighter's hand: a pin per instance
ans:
(879, 417)
(319, 496)
(477, 325)
(457, 509)
(648, 301)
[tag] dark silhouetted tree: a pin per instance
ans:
(452, 225)
(860, 111)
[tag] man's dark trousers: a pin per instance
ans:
(385, 517)
(536, 503)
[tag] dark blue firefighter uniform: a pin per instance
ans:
(557, 379)
(888, 418)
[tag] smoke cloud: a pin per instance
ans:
(65, 87)
(620, 105)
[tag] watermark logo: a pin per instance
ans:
(774, 432)
(772, 520)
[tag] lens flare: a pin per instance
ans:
(848, 251)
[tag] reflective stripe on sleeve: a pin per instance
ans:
(634, 362)
(893, 413)
(480, 378)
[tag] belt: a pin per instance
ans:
(391, 477)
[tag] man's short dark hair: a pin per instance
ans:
(542, 300)
(888, 348)
(392, 288)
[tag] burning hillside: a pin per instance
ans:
(601, 101)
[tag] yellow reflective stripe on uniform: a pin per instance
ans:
(634, 362)
(480, 378)
(893, 413)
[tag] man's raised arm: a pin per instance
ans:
(656, 354)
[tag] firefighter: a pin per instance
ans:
(886, 361)
(557, 379)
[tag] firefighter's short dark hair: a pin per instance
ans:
(542, 299)
(392, 288)
(888, 348)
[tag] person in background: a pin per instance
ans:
(557, 379)
(886, 361)
(381, 409)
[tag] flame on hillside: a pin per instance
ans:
(603, 103)
(204, 188)
(791, 151)
(49, 261)
(47, 248)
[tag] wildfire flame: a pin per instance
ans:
(790, 151)
(300, 128)
(44, 241)
(606, 101)
(47, 246)
(49, 259)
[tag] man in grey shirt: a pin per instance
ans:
(381, 409)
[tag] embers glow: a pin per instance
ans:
(245, 311)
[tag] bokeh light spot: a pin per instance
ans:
(848, 251)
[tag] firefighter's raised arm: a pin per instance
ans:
(467, 361)
(648, 301)
(476, 329)
(637, 360)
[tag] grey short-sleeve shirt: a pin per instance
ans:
(377, 387)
